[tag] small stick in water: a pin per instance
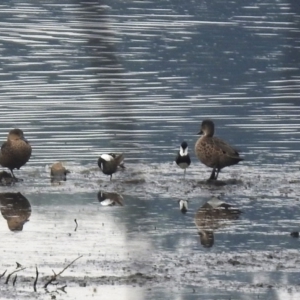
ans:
(8, 276)
(3, 274)
(36, 278)
(54, 277)
(76, 224)
(63, 288)
(15, 279)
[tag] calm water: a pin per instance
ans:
(85, 78)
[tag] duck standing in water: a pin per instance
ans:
(15, 152)
(109, 163)
(214, 152)
(183, 159)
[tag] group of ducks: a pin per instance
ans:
(210, 150)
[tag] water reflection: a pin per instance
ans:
(6, 178)
(110, 198)
(16, 209)
(213, 215)
(183, 206)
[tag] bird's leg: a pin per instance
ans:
(184, 173)
(213, 174)
(218, 171)
(12, 173)
(110, 177)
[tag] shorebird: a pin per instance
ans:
(109, 163)
(183, 159)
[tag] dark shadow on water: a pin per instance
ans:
(214, 214)
(15, 209)
(218, 183)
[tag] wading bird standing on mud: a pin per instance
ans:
(214, 152)
(15, 152)
(109, 163)
(183, 159)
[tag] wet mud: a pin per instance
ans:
(130, 231)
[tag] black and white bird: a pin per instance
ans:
(109, 163)
(183, 159)
(183, 206)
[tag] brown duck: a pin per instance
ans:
(58, 172)
(16, 151)
(214, 152)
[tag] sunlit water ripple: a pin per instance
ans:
(81, 79)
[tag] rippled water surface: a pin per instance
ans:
(138, 77)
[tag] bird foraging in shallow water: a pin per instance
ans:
(183, 159)
(58, 172)
(109, 163)
(214, 152)
(15, 152)
(183, 206)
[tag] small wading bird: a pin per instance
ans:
(183, 159)
(58, 172)
(109, 163)
(183, 206)
(214, 152)
(15, 152)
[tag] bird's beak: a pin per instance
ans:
(200, 132)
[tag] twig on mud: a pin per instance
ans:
(8, 276)
(53, 278)
(36, 278)
(63, 288)
(76, 224)
(3, 273)
(15, 279)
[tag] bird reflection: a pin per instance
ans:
(213, 215)
(6, 178)
(183, 206)
(110, 198)
(16, 209)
